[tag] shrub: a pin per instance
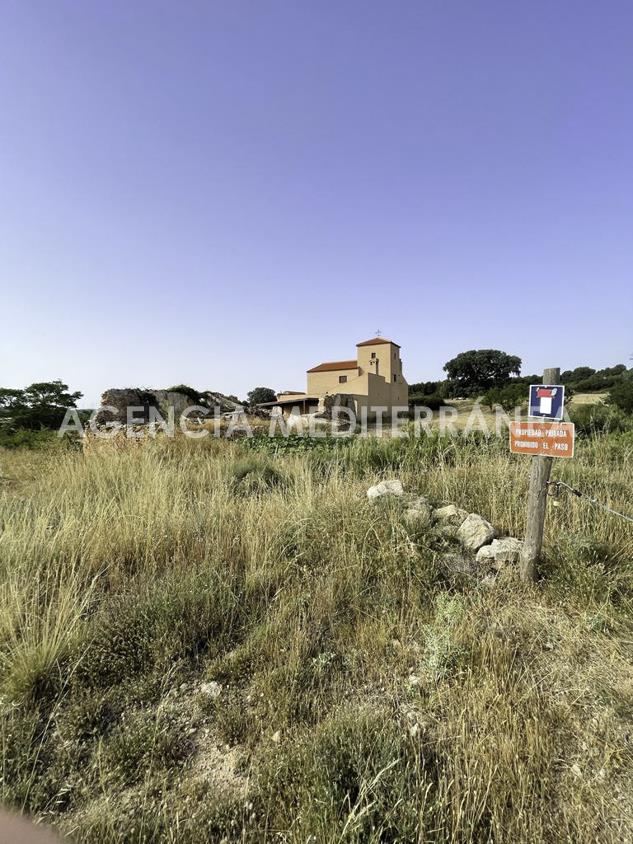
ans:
(424, 388)
(599, 419)
(25, 438)
(621, 395)
(508, 397)
(433, 400)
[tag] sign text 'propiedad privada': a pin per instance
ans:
(545, 439)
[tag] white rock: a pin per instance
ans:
(501, 552)
(474, 532)
(385, 488)
(419, 513)
(211, 689)
(450, 515)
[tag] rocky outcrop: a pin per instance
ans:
(118, 401)
(474, 532)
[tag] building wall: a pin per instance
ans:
(388, 388)
(387, 385)
(287, 395)
(308, 406)
(320, 383)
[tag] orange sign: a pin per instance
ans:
(547, 439)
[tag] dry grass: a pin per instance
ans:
(366, 695)
(589, 398)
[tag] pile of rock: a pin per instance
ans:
(482, 549)
(115, 404)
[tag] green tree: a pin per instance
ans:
(507, 397)
(621, 394)
(424, 388)
(478, 370)
(260, 395)
(40, 405)
(580, 373)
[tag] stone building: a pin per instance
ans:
(372, 379)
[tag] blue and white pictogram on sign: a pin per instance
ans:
(547, 401)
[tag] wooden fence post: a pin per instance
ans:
(537, 502)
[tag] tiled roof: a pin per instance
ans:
(298, 399)
(331, 366)
(376, 341)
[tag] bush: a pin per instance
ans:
(596, 383)
(424, 388)
(621, 395)
(508, 397)
(433, 400)
(599, 419)
(29, 439)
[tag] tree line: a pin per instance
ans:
(495, 376)
(490, 374)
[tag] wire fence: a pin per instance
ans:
(554, 489)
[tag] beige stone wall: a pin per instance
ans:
(320, 383)
(382, 364)
(387, 388)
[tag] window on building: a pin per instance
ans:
(342, 379)
(373, 355)
(394, 379)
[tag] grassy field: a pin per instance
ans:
(365, 694)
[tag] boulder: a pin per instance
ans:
(501, 552)
(385, 488)
(418, 514)
(450, 515)
(474, 532)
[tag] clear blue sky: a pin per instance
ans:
(227, 193)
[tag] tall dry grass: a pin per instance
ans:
(367, 695)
